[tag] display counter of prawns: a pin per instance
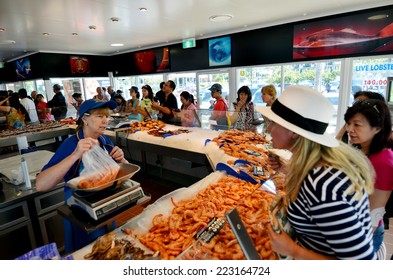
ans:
(180, 224)
(185, 143)
(33, 133)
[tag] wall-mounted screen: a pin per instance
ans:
(151, 61)
(220, 51)
(79, 65)
(23, 68)
(349, 35)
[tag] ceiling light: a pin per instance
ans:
(220, 18)
(74, 34)
(45, 34)
(117, 45)
(114, 19)
(92, 27)
(376, 17)
(2, 29)
(143, 9)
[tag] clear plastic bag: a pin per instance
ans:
(99, 168)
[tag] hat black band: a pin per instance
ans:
(298, 120)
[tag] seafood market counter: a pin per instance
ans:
(34, 135)
(182, 151)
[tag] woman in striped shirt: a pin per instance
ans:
(327, 183)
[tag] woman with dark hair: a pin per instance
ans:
(369, 128)
(145, 104)
(244, 115)
(133, 103)
(187, 115)
(16, 116)
(121, 103)
(42, 109)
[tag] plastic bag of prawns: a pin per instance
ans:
(99, 168)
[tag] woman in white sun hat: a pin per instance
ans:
(327, 182)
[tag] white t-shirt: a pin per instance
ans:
(30, 108)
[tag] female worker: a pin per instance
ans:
(66, 163)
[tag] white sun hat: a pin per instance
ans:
(303, 110)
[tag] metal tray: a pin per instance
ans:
(127, 170)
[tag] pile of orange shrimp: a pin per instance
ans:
(254, 212)
(237, 137)
(172, 235)
(242, 145)
(146, 125)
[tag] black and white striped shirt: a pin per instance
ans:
(330, 222)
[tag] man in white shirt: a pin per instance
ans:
(29, 106)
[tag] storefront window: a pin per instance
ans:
(184, 82)
(68, 88)
(125, 83)
(91, 84)
(372, 74)
(258, 77)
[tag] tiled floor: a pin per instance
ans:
(388, 239)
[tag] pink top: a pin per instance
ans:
(383, 166)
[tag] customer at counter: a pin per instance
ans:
(244, 116)
(219, 114)
(29, 106)
(42, 109)
(188, 110)
(369, 127)
(145, 110)
(66, 163)
(58, 104)
(170, 103)
(16, 114)
(327, 182)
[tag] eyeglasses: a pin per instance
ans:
(366, 103)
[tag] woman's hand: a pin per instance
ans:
(117, 154)
(84, 145)
(281, 242)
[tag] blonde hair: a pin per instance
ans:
(307, 154)
(270, 90)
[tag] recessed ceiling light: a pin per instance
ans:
(220, 18)
(376, 17)
(114, 19)
(2, 29)
(74, 34)
(45, 34)
(92, 27)
(117, 45)
(143, 9)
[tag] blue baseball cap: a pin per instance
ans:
(215, 87)
(94, 104)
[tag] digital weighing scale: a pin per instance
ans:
(101, 203)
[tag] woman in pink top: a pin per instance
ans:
(369, 128)
(188, 110)
(42, 109)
